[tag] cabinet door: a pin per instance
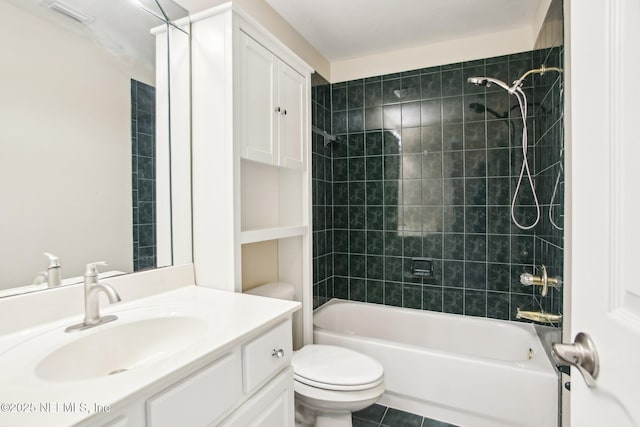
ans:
(270, 407)
(119, 421)
(257, 109)
(291, 89)
(200, 399)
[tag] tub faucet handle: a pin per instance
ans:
(545, 281)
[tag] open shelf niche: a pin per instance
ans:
(278, 260)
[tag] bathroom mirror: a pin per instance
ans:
(81, 174)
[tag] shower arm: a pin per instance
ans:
(540, 71)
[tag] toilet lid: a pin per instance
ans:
(335, 368)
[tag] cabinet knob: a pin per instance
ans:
(284, 112)
(278, 353)
(277, 109)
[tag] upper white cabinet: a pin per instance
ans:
(271, 104)
(251, 126)
(258, 98)
(291, 112)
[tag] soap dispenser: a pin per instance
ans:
(54, 271)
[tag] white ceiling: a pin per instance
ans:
(348, 29)
(119, 26)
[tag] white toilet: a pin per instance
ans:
(330, 382)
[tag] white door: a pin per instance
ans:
(603, 256)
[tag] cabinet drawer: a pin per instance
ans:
(266, 355)
(200, 399)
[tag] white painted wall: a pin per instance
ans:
(65, 150)
(447, 52)
(272, 21)
(540, 18)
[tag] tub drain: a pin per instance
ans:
(117, 371)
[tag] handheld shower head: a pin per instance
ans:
(478, 81)
(516, 91)
(488, 81)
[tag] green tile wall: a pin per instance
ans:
(549, 174)
(425, 165)
(143, 175)
(322, 201)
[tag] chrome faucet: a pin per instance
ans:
(92, 289)
(53, 276)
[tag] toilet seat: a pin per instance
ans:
(337, 387)
(335, 368)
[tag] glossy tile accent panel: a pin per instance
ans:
(426, 165)
(143, 180)
(322, 203)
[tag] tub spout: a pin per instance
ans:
(538, 316)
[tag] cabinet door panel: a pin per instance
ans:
(201, 398)
(258, 103)
(261, 357)
(120, 421)
(291, 87)
(272, 406)
(276, 413)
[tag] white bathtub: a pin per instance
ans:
(468, 371)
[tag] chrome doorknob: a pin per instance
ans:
(581, 354)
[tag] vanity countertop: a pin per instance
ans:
(27, 399)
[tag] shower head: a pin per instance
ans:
(478, 81)
(488, 81)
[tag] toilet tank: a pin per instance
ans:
(280, 290)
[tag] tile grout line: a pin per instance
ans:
(383, 416)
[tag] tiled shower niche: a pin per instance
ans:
(425, 165)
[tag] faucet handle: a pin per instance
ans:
(92, 269)
(54, 261)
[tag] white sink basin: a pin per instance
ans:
(119, 348)
(156, 341)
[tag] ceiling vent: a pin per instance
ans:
(70, 12)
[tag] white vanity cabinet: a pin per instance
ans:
(251, 159)
(214, 357)
(271, 104)
(249, 385)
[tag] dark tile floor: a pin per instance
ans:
(381, 416)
